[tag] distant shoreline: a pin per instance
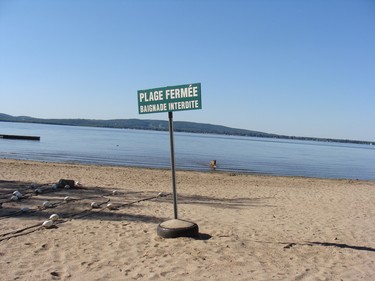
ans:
(161, 125)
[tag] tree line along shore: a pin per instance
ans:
(161, 125)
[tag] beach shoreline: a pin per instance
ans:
(253, 227)
(168, 169)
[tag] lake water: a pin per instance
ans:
(192, 151)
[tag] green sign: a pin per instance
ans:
(168, 99)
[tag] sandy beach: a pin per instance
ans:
(252, 227)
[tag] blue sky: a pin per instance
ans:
(302, 68)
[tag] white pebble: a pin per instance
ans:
(47, 204)
(67, 186)
(18, 194)
(14, 198)
(94, 205)
(48, 224)
(67, 199)
(24, 209)
(111, 206)
(54, 217)
(115, 192)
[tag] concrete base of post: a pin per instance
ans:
(177, 228)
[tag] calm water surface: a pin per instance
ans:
(192, 151)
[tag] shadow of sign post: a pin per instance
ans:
(170, 99)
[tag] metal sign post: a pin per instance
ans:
(170, 117)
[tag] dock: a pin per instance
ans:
(18, 137)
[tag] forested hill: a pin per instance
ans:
(160, 125)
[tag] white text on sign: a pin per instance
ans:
(171, 94)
